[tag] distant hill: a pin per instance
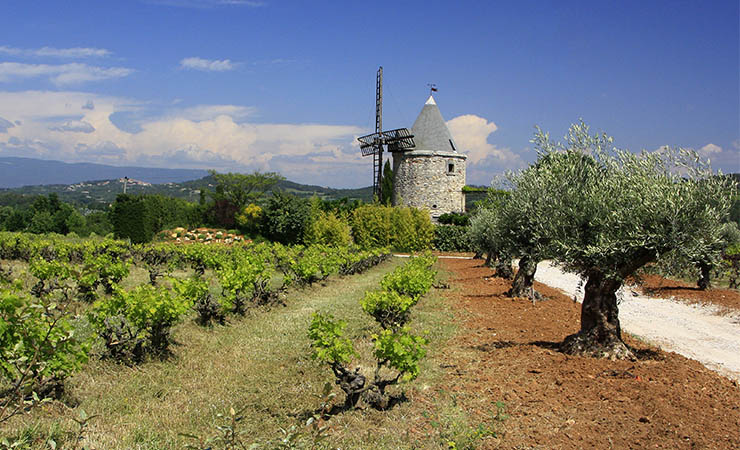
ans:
(99, 194)
(96, 185)
(17, 172)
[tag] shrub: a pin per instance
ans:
(412, 229)
(250, 218)
(413, 279)
(371, 226)
(195, 290)
(328, 229)
(401, 351)
(454, 218)
(145, 311)
(38, 348)
(243, 278)
(285, 218)
(389, 308)
(450, 238)
(395, 347)
(402, 228)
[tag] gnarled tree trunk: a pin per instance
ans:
(523, 284)
(503, 268)
(600, 335)
(705, 281)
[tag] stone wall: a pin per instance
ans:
(423, 179)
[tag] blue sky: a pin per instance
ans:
(288, 85)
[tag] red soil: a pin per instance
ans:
(506, 350)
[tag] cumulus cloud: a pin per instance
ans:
(5, 125)
(77, 126)
(709, 150)
(60, 74)
(208, 112)
(202, 136)
(207, 65)
(73, 52)
(105, 150)
(471, 135)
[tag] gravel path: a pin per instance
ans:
(693, 331)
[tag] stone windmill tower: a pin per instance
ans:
(430, 175)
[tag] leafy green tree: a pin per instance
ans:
(524, 227)
(615, 212)
(131, 219)
(41, 222)
(285, 218)
(241, 189)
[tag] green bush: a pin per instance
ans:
(328, 229)
(389, 308)
(413, 279)
(402, 228)
(395, 347)
(328, 341)
(451, 238)
(150, 312)
(285, 218)
(245, 277)
(454, 218)
(400, 350)
(38, 347)
(195, 290)
(371, 226)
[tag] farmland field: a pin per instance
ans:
(492, 378)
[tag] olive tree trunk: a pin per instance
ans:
(705, 281)
(503, 268)
(600, 335)
(523, 284)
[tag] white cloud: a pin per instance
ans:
(5, 125)
(73, 52)
(207, 112)
(471, 134)
(208, 65)
(709, 150)
(76, 126)
(204, 136)
(60, 74)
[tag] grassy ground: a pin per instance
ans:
(259, 365)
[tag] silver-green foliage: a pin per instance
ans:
(612, 210)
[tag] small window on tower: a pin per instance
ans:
(450, 167)
(452, 144)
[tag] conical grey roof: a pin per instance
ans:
(430, 131)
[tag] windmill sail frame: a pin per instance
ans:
(396, 140)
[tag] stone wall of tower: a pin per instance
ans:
(430, 180)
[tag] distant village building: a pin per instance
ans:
(432, 174)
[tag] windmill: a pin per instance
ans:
(397, 140)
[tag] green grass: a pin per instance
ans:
(261, 364)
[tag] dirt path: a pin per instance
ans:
(692, 330)
(505, 356)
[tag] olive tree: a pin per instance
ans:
(615, 212)
(484, 235)
(528, 219)
(705, 255)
